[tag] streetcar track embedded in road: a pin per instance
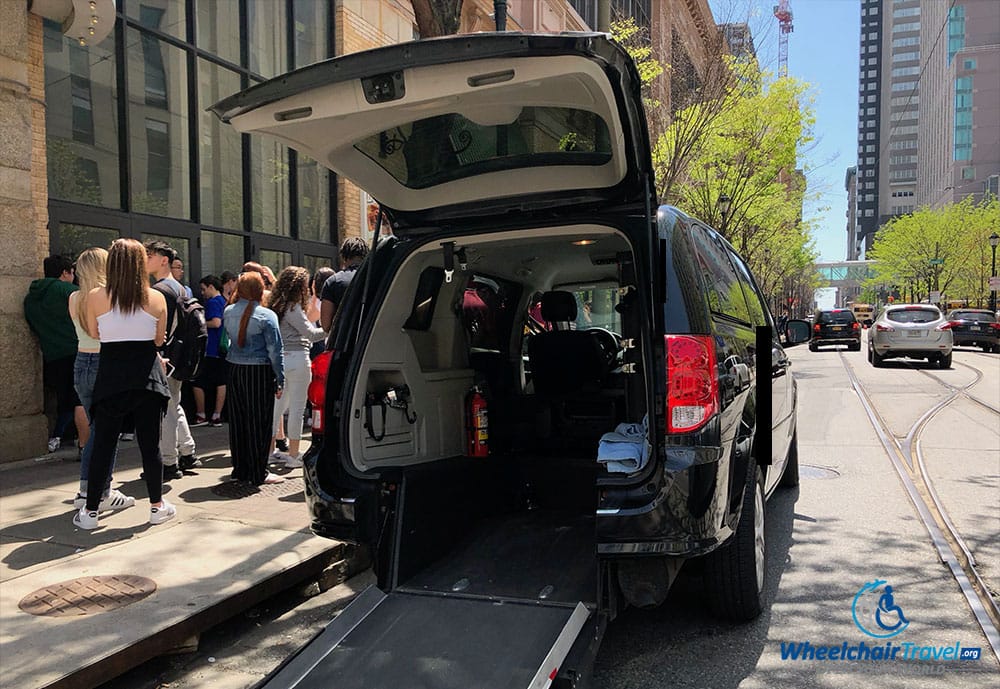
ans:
(907, 460)
(963, 391)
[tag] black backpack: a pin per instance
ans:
(186, 335)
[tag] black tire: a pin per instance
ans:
(944, 361)
(812, 347)
(987, 348)
(790, 478)
(855, 347)
(877, 360)
(735, 573)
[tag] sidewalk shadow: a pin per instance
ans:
(65, 540)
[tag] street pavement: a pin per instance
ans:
(221, 555)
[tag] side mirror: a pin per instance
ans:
(797, 332)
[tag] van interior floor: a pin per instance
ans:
(539, 554)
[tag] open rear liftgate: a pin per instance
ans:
(409, 640)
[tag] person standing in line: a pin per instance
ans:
(130, 320)
(352, 254)
(91, 267)
(265, 273)
(176, 443)
(290, 303)
(177, 272)
(228, 279)
(46, 308)
(213, 368)
(256, 379)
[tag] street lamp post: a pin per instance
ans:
(724, 203)
(994, 241)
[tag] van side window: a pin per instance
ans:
(725, 295)
(757, 308)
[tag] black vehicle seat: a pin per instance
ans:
(565, 362)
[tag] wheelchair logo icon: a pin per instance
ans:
(876, 612)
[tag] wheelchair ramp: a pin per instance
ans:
(422, 641)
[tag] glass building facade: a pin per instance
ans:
(132, 151)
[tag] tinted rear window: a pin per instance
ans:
(836, 317)
(445, 148)
(914, 316)
(973, 316)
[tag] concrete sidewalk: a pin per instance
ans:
(224, 552)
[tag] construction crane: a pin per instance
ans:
(783, 13)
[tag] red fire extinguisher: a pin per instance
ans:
(477, 425)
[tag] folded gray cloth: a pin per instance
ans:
(626, 449)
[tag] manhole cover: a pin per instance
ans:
(87, 595)
(811, 472)
(238, 489)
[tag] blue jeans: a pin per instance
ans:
(84, 377)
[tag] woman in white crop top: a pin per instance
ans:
(90, 272)
(129, 319)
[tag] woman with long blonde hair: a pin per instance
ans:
(256, 378)
(290, 303)
(130, 319)
(90, 273)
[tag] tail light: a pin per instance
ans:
(949, 325)
(855, 326)
(692, 382)
(816, 328)
(884, 328)
(995, 326)
(317, 389)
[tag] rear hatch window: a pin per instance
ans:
(836, 317)
(914, 316)
(444, 148)
(974, 316)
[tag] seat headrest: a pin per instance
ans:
(558, 306)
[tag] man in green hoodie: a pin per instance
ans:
(46, 308)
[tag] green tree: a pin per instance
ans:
(944, 249)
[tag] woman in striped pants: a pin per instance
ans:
(256, 378)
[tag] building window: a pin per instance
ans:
(905, 71)
(312, 21)
(903, 42)
(168, 16)
(906, 12)
(872, 98)
(220, 251)
(969, 64)
(313, 200)
(963, 118)
(906, 26)
(269, 185)
(869, 212)
(217, 24)
(906, 57)
(956, 30)
(220, 151)
(159, 165)
(80, 89)
(268, 52)
(904, 85)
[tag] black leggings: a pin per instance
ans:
(251, 407)
(146, 407)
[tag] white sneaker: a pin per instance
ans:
(85, 520)
(115, 500)
(54, 444)
(273, 478)
(164, 513)
(293, 462)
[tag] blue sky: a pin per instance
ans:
(823, 52)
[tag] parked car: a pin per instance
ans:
(916, 331)
(462, 413)
(976, 328)
(835, 327)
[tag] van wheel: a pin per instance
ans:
(812, 347)
(735, 572)
(944, 361)
(790, 478)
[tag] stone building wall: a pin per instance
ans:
(24, 235)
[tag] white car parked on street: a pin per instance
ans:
(917, 331)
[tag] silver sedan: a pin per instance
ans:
(917, 331)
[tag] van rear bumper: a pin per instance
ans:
(680, 512)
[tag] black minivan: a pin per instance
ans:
(544, 391)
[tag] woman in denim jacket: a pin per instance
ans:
(256, 379)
